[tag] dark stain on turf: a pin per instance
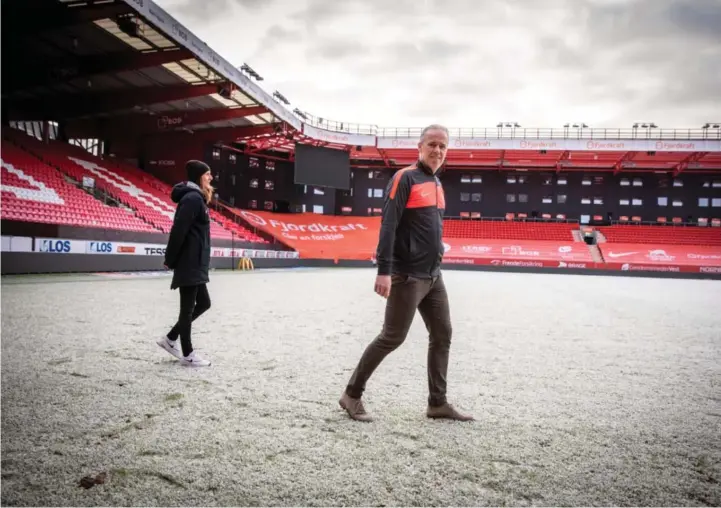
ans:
(60, 361)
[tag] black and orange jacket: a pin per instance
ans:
(411, 235)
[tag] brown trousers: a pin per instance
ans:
(407, 294)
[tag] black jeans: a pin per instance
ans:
(430, 299)
(194, 300)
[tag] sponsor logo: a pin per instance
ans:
(534, 264)
(539, 145)
(563, 264)
(659, 255)
(154, 251)
(245, 264)
(102, 247)
(180, 31)
(255, 219)
(675, 145)
(404, 143)
(57, 246)
(472, 143)
(329, 136)
(649, 268)
(458, 261)
(703, 256)
(709, 269)
(169, 121)
(606, 145)
(218, 253)
(565, 248)
(446, 247)
(516, 250)
(476, 249)
(287, 229)
(620, 254)
(126, 249)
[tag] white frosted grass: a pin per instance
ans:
(587, 390)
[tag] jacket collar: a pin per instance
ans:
(426, 169)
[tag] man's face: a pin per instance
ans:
(432, 149)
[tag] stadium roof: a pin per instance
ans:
(108, 67)
(98, 66)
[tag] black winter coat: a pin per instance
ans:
(188, 249)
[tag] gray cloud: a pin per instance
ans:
(275, 39)
(555, 51)
(318, 12)
(336, 49)
(607, 62)
(646, 20)
(202, 11)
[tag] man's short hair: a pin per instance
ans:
(432, 127)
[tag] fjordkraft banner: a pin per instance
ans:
(317, 236)
(338, 237)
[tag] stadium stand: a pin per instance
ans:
(32, 191)
(140, 192)
(662, 235)
(501, 230)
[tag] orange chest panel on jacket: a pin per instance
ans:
(426, 194)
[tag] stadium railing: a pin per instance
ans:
(517, 132)
(516, 219)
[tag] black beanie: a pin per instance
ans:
(195, 169)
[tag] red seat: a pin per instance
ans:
(146, 196)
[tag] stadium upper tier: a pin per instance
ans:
(54, 183)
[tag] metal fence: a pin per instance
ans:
(713, 131)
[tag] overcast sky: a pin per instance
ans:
(473, 63)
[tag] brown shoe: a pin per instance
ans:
(355, 408)
(449, 412)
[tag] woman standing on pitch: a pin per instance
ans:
(188, 255)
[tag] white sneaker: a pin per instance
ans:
(194, 360)
(171, 347)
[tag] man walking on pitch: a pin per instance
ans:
(409, 254)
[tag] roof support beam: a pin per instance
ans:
(149, 124)
(692, 157)
(559, 162)
(30, 74)
(22, 16)
(66, 106)
(219, 135)
(618, 166)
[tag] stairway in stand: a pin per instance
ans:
(596, 254)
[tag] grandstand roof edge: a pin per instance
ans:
(370, 135)
(156, 15)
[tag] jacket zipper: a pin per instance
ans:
(437, 218)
